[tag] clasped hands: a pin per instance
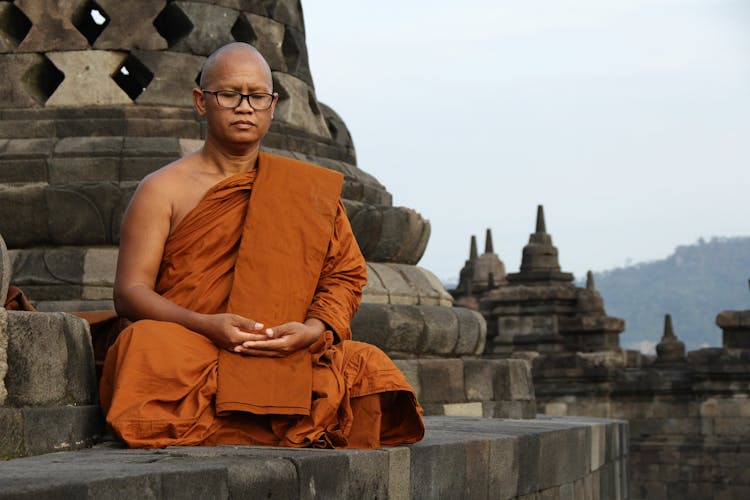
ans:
(245, 336)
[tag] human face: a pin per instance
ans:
(243, 71)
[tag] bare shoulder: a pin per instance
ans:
(168, 180)
(174, 189)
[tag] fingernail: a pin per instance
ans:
(258, 326)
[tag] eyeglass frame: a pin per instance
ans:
(243, 97)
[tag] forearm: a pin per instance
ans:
(137, 302)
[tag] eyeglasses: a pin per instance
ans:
(259, 101)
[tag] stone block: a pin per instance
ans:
(424, 288)
(479, 376)
(598, 446)
(60, 428)
(27, 149)
(463, 409)
(23, 215)
(71, 170)
(513, 381)
(399, 291)
(410, 369)
(403, 236)
(395, 329)
(297, 105)
(368, 474)
(399, 472)
(73, 305)
(503, 468)
(528, 460)
(50, 360)
(18, 171)
(5, 274)
(554, 471)
(320, 475)
(440, 334)
(374, 292)
(16, 92)
(99, 266)
(51, 26)
(124, 34)
(173, 80)
(48, 266)
(82, 214)
(269, 39)
(211, 27)
(262, 478)
(11, 433)
(287, 12)
(472, 332)
(88, 79)
(438, 469)
(199, 481)
(88, 147)
(442, 380)
(3, 346)
(521, 381)
(98, 293)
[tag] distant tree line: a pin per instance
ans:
(693, 284)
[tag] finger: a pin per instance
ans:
(246, 337)
(260, 353)
(273, 344)
(247, 324)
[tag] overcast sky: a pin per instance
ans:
(629, 120)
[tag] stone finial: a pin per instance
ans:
(4, 271)
(488, 248)
(539, 261)
(590, 281)
(541, 227)
(473, 254)
(670, 349)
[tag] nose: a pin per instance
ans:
(244, 104)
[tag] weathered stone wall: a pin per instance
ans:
(690, 421)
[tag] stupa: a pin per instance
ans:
(542, 310)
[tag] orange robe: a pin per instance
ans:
(284, 253)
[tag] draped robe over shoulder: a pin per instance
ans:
(273, 245)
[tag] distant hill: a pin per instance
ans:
(694, 284)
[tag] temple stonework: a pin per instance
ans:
(689, 413)
(98, 95)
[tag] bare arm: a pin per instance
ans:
(144, 232)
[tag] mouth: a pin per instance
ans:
(243, 124)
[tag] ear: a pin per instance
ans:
(273, 104)
(199, 99)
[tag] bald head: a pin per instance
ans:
(227, 55)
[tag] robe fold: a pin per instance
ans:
(273, 245)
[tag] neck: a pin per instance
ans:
(228, 162)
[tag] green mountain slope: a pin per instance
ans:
(694, 284)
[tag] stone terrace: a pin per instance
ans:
(460, 457)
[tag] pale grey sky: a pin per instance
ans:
(628, 119)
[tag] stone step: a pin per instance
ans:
(468, 458)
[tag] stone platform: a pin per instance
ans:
(460, 457)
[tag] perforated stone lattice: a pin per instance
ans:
(70, 50)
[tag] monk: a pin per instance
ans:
(241, 274)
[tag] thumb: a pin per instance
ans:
(247, 324)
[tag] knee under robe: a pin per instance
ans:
(274, 245)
